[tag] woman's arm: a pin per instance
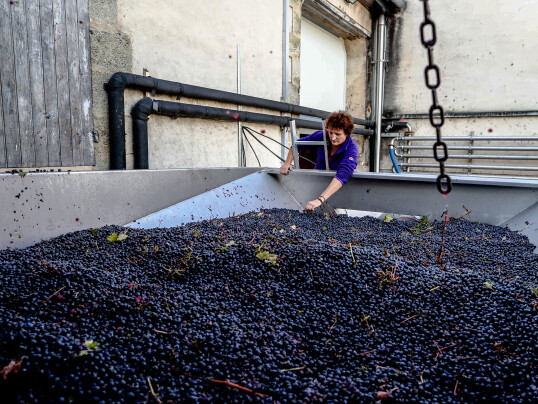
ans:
(334, 186)
(286, 167)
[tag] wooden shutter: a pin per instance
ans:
(45, 82)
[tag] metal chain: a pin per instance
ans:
(437, 117)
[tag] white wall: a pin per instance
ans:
(487, 51)
(196, 43)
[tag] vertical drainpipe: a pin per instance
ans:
(239, 123)
(285, 72)
(379, 86)
(371, 139)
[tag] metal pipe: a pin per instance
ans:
(285, 48)
(478, 114)
(374, 75)
(146, 107)
(388, 7)
(116, 105)
(239, 125)
(325, 144)
(285, 72)
(399, 3)
(470, 166)
(294, 144)
(371, 141)
(393, 157)
(379, 89)
(474, 138)
(467, 147)
(469, 156)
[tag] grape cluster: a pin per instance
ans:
(272, 306)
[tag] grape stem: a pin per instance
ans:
(155, 395)
(468, 214)
(335, 320)
(236, 386)
(58, 291)
(441, 252)
(352, 256)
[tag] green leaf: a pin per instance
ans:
(91, 344)
(94, 231)
(388, 218)
(117, 237)
(267, 257)
(22, 173)
(489, 285)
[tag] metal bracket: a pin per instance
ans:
(145, 73)
(294, 144)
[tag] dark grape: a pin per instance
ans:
(272, 306)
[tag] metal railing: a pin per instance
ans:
(308, 143)
(407, 152)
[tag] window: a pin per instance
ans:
(323, 68)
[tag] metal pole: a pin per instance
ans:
(468, 157)
(325, 144)
(466, 166)
(475, 138)
(374, 75)
(379, 88)
(285, 49)
(285, 72)
(239, 124)
(463, 147)
(294, 144)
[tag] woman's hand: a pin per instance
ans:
(285, 169)
(310, 206)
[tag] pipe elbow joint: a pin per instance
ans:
(117, 81)
(142, 109)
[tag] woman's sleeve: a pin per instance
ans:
(348, 164)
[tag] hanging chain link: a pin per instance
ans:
(437, 117)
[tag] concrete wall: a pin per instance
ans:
(196, 43)
(487, 52)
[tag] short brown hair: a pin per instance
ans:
(341, 120)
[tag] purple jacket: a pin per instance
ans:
(344, 161)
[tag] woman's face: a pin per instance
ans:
(337, 136)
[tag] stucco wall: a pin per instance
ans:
(192, 43)
(487, 52)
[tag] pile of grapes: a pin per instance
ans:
(272, 306)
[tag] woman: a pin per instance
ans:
(343, 154)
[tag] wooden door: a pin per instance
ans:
(45, 82)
